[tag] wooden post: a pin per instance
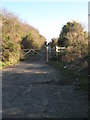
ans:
(47, 52)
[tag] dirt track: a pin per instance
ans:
(31, 90)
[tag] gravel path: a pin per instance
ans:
(31, 90)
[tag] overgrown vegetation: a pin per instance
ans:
(53, 42)
(75, 40)
(71, 75)
(17, 35)
(34, 41)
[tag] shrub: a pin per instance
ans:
(15, 32)
(75, 39)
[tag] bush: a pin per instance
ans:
(33, 41)
(75, 39)
(15, 32)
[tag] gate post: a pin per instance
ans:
(47, 52)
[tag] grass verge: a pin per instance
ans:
(73, 75)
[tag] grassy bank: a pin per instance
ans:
(72, 75)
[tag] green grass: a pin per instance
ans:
(81, 77)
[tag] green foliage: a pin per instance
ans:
(75, 39)
(70, 33)
(54, 42)
(33, 40)
(15, 32)
(71, 74)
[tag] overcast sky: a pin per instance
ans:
(49, 17)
